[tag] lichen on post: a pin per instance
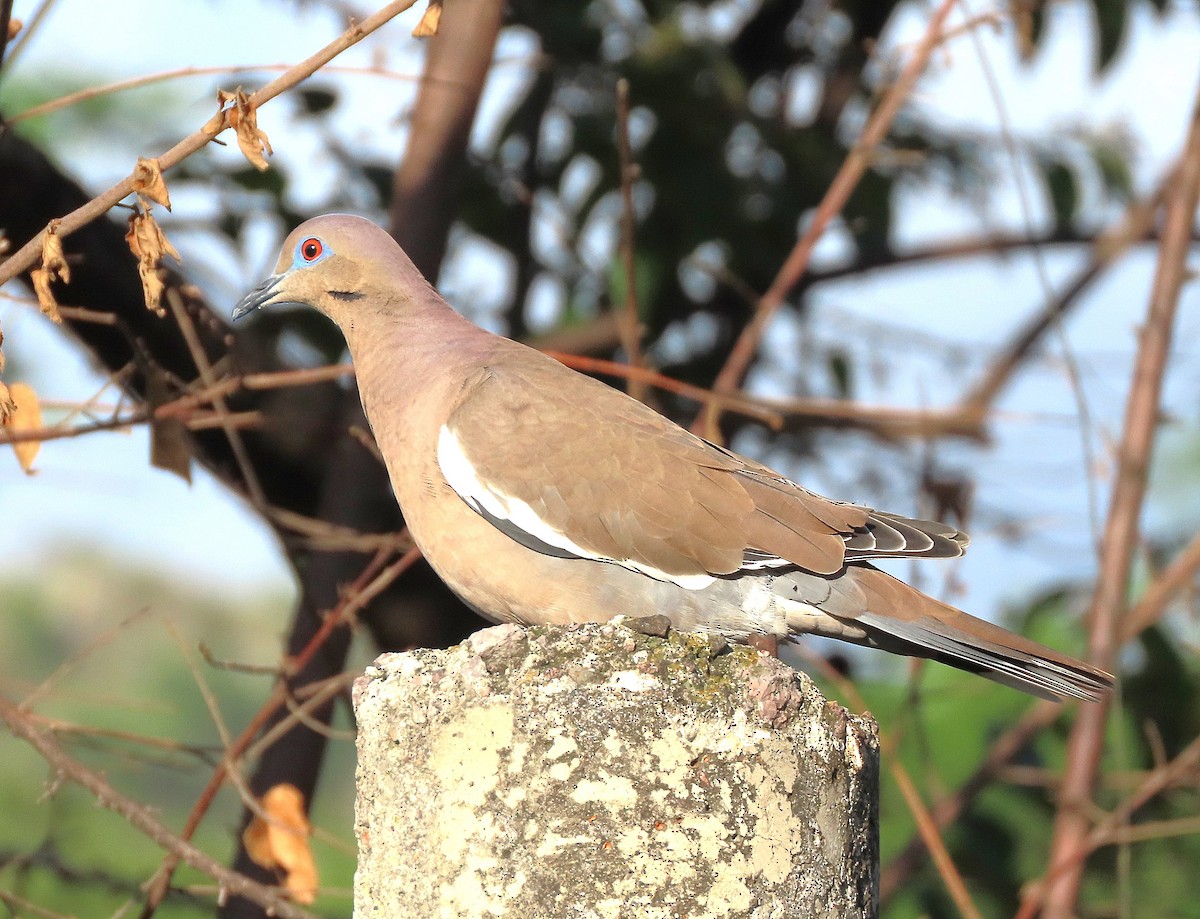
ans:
(596, 770)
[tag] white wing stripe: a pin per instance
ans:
(462, 477)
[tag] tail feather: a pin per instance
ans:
(1041, 672)
(903, 620)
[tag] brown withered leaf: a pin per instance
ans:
(54, 266)
(148, 182)
(149, 244)
(7, 405)
(170, 445)
(243, 118)
(430, 19)
(280, 841)
(25, 414)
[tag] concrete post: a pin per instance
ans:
(597, 770)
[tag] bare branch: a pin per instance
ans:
(1121, 529)
(27, 256)
(851, 171)
(628, 323)
(141, 817)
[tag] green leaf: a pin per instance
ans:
(1062, 189)
(647, 272)
(1112, 162)
(1111, 20)
(842, 372)
(317, 100)
(251, 179)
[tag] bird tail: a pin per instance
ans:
(901, 619)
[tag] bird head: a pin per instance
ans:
(333, 264)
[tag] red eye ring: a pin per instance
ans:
(311, 249)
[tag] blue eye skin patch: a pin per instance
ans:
(298, 259)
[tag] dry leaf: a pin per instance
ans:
(430, 19)
(243, 118)
(54, 265)
(148, 182)
(14, 28)
(170, 445)
(7, 405)
(23, 413)
(149, 244)
(280, 841)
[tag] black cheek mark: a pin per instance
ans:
(345, 295)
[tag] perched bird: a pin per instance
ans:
(540, 495)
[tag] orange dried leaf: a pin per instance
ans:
(148, 182)
(54, 266)
(14, 28)
(7, 405)
(430, 19)
(279, 840)
(24, 414)
(243, 118)
(149, 244)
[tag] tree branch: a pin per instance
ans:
(29, 254)
(1121, 530)
(142, 818)
(852, 169)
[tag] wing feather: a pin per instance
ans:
(589, 471)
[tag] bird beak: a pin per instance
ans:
(259, 297)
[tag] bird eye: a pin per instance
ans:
(311, 249)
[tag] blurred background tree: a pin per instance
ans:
(741, 115)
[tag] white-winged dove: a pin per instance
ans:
(540, 495)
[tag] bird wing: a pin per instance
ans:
(569, 466)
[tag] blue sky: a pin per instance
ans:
(100, 489)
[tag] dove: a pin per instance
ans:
(543, 496)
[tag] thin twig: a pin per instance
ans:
(194, 418)
(28, 255)
(257, 496)
(27, 32)
(735, 402)
(928, 829)
(105, 638)
(1121, 529)
(847, 178)
(945, 811)
(1111, 828)
(159, 884)
(299, 713)
(162, 76)
(142, 818)
(281, 378)
(1178, 574)
(1135, 225)
(1039, 260)
(628, 325)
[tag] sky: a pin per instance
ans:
(100, 490)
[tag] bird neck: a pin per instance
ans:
(412, 334)
(412, 354)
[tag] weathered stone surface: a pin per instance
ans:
(595, 770)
